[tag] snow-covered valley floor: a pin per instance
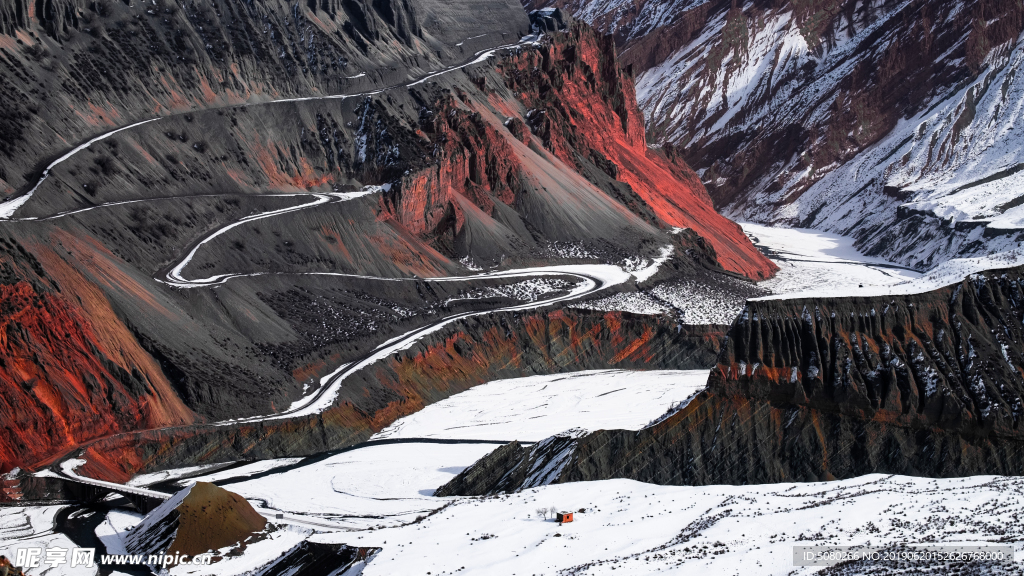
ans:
(392, 484)
(821, 264)
(815, 262)
(32, 527)
(533, 408)
(386, 486)
(628, 527)
(381, 496)
(811, 263)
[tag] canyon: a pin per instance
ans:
(818, 389)
(371, 265)
(174, 272)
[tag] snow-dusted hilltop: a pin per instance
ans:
(889, 121)
(199, 518)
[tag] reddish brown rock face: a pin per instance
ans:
(562, 135)
(583, 106)
(449, 361)
(58, 385)
(854, 117)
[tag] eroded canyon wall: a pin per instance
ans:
(882, 120)
(817, 389)
(462, 355)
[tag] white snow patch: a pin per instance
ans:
(634, 302)
(23, 527)
(815, 263)
(535, 407)
(374, 486)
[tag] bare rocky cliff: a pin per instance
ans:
(811, 390)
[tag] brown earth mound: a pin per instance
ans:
(210, 517)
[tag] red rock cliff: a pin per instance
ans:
(582, 104)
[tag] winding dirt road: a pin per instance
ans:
(589, 278)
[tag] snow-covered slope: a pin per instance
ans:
(625, 527)
(622, 526)
(890, 121)
(944, 183)
(27, 527)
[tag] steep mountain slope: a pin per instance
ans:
(237, 252)
(674, 193)
(74, 69)
(69, 368)
(810, 390)
(884, 120)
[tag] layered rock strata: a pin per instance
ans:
(449, 361)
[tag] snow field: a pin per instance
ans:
(815, 263)
(633, 302)
(381, 496)
(821, 264)
(533, 408)
(32, 527)
(370, 487)
(646, 529)
(391, 484)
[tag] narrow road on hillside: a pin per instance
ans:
(9, 207)
(590, 278)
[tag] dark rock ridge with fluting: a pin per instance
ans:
(877, 119)
(317, 559)
(533, 156)
(815, 389)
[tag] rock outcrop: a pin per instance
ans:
(315, 558)
(816, 389)
(9, 569)
(69, 370)
(449, 361)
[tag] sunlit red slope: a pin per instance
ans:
(70, 371)
(583, 104)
